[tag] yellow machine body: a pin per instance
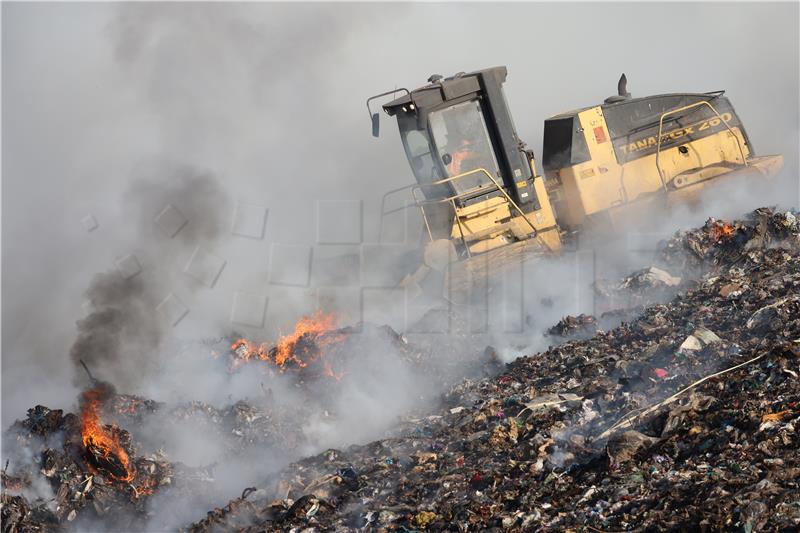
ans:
(683, 160)
(480, 194)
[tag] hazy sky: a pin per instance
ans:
(269, 100)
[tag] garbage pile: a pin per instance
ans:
(643, 287)
(99, 467)
(86, 469)
(585, 326)
(581, 326)
(89, 469)
(319, 357)
(685, 418)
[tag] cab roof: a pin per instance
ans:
(443, 89)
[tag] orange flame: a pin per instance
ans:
(289, 350)
(147, 487)
(722, 231)
(99, 440)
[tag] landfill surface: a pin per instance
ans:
(683, 418)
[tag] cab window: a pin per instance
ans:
(564, 143)
(463, 144)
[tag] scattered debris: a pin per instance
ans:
(581, 326)
(637, 428)
(648, 278)
(699, 339)
(684, 418)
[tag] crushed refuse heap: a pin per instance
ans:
(101, 465)
(93, 474)
(685, 418)
(81, 476)
(321, 360)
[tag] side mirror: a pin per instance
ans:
(447, 159)
(374, 116)
(376, 124)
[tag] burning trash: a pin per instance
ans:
(88, 466)
(683, 415)
(635, 428)
(720, 231)
(308, 346)
(103, 443)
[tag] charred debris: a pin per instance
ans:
(684, 417)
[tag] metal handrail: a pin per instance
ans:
(470, 192)
(417, 202)
(460, 228)
(383, 207)
(646, 126)
(422, 202)
(684, 108)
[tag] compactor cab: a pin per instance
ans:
(476, 185)
(609, 160)
(605, 166)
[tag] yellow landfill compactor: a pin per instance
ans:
(478, 189)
